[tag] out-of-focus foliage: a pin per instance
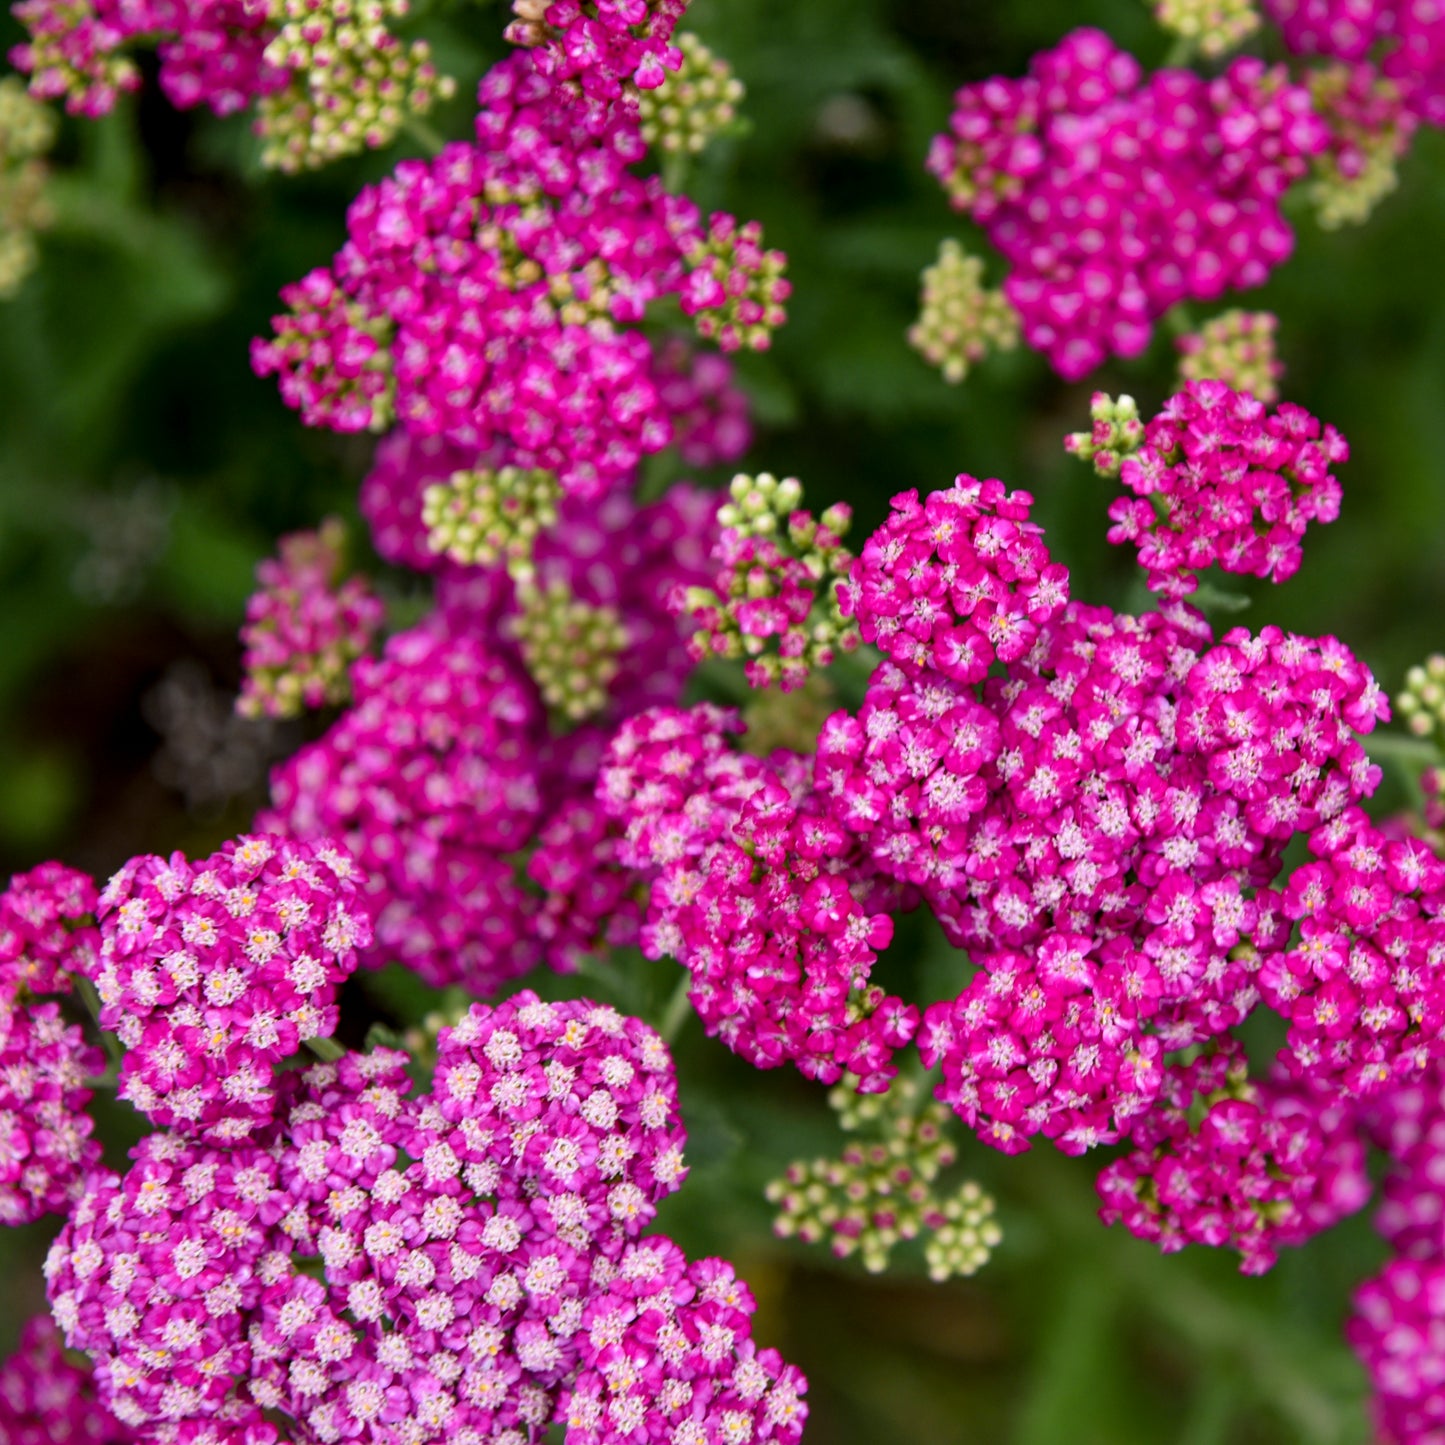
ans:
(144, 471)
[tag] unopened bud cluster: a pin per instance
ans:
(695, 103)
(961, 320)
(736, 289)
(1421, 704)
(776, 580)
(1213, 27)
(353, 82)
(482, 517)
(881, 1192)
(1369, 130)
(1237, 348)
(27, 131)
(1117, 433)
(570, 647)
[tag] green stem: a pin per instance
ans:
(675, 166)
(1402, 750)
(424, 135)
(85, 990)
(677, 1010)
(327, 1049)
(1180, 53)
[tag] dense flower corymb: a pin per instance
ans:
(212, 973)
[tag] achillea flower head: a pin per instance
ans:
(882, 1190)
(960, 320)
(600, 53)
(1220, 480)
(27, 131)
(1215, 26)
(305, 626)
(667, 1356)
(430, 780)
(521, 349)
(693, 104)
(779, 568)
(212, 973)
(1059, 168)
(1116, 433)
(47, 930)
(1237, 348)
(571, 648)
(734, 289)
(1360, 985)
(47, 936)
(434, 1263)
(44, 1398)
(1370, 130)
(759, 894)
(955, 582)
(482, 517)
(46, 1148)
(332, 356)
(1421, 703)
(710, 414)
(1268, 1165)
(1344, 29)
(1395, 1330)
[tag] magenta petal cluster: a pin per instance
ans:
(212, 973)
(304, 627)
(47, 934)
(418, 1271)
(489, 295)
(1222, 480)
(47, 1400)
(956, 582)
(47, 929)
(759, 894)
(1113, 196)
(1267, 1164)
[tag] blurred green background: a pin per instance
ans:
(144, 471)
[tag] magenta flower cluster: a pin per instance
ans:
(488, 296)
(1113, 196)
(304, 627)
(45, 1399)
(211, 51)
(47, 936)
(1221, 480)
(212, 973)
(1267, 1165)
(1407, 35)
(466, 1266)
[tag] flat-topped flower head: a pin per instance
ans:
(214, 972)
(1222, 480)
(955, 582)
(1114, 196)
(47, 930)
(305, 625)
(45, 1398)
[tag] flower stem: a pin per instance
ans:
(85, 990)
(677, 1010)
(326, 1049)
(423, 134)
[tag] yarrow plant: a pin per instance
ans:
(598, 725)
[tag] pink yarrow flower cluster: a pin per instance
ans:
(1407, 35)
(417, 1271)
(305, 626)
(759, 894)
(47, 935)
(1267, 1165)
(1220, 479)
(489, 295)
(1113, 196)
(212, 973)
(45, 1399)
